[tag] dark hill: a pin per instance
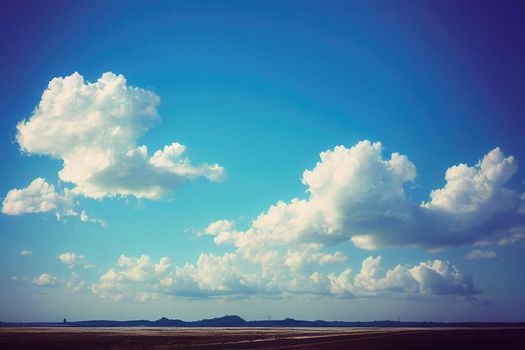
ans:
(236, 321)
(224, 321)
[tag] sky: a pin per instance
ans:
(337, 160)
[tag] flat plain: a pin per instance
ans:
(261, 338)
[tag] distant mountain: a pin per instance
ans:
(224, 321)
(236, 321)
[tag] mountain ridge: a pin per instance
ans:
(234, 321)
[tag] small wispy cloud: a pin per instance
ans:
(46, 280)
(481, 254)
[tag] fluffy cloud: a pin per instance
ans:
(433, 277)
(26, 253)
(45, 280)
(213, 275)
(353, 195)
(41, 197)
(356, 194)
(478, 188)
(229, 275)
(224, 231)
(94, 128)
(439, 277)
(139, 271)
(70, 259)
(480, 254)
(38, 197)
(309, 255)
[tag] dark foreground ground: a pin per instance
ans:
(262, 338)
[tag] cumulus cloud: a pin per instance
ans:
(439, 277)
(223, 231)
(212, 275)
(471, 189)
(41, 197)
(356, 194)
(433, 277)
(70, 259)
(26, 253)
(46, 280)
(309, 255)
(38, 197)
(141, 270)
(142, 279)
(353, 195)
(94, 128)
(480, 254)
(230, 274)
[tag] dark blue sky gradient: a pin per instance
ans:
(445, 75)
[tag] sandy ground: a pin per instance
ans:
(262, 338)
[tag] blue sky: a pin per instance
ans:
(255, 91)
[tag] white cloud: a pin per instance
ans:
(356, 194)
(170, 160)
(46, 280)
(353, 194)
(308, 255)
(212, 275)
(94, 128)
(230, 275)
(439, 277)
(38, 197)
(478, 188)
(217, 227)
(224, 231)
(41, 197)
(334, 258)
(85, 218)
(433, 277)
(140, 269)
(26, 253)
(480, 254)
(112, 283)
(70, 259)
